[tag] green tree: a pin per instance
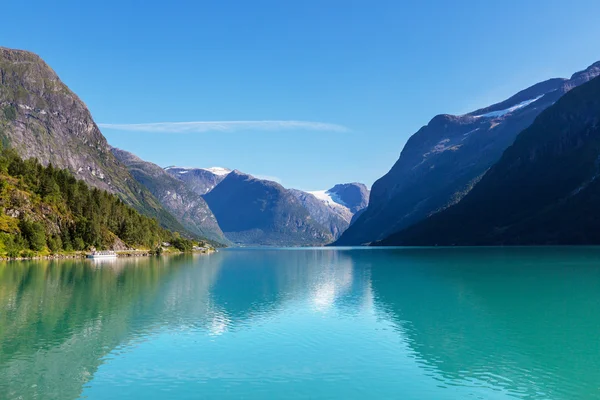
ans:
(85, 216)
(14, 244)
(34, 233)
(79, 244)
(182, 244)
(55, 243)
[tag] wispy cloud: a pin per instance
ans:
(225, 126)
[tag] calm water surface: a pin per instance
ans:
(325, 323)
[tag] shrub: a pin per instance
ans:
(10, 113)
(28, 254)
(158, 251)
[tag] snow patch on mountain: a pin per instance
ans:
(500, 113)
(468, 133)
(328, 198)
(218, 170)
(215, 170)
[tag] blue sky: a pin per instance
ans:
(369, 73)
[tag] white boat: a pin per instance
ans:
(102, 254)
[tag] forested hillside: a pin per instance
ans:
(46, 210)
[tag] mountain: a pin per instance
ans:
(334, 218)
(543, 190)
(335, 208)
(200, 180)
(188, 207)
(446, 158)
(41, 117)
(354, 196)
(253, 211)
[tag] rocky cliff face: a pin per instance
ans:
(45, 120)
(447, 157)
(187, 206)
(258, 212)
(40, 117)
(543, 190)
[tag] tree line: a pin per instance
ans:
(51, 211)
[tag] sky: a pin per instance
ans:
(309, 93)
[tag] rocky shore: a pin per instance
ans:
(120, 254)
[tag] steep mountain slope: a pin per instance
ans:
(200, 180)
(188, 207)
(544, 190)
(258, 212)
(444, 159)
(40, 117)
(335, 219)
(335, 208)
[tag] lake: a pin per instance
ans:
(412, 323)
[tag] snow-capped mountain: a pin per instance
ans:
(335, 208)
(329, 198)
(220, 171)
(347, 199)
(251, 210)
(200, 180)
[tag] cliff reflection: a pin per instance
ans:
(521, 322)
(506, 318)
(60, 320)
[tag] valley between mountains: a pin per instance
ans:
(232, 207)
(521, 171)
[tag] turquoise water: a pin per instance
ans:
(305, 323)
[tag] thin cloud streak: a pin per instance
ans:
(225, 126)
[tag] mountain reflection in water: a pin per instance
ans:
(305, 323)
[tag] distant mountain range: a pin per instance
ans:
(445, 159)
(235, 207)
(254, 211)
